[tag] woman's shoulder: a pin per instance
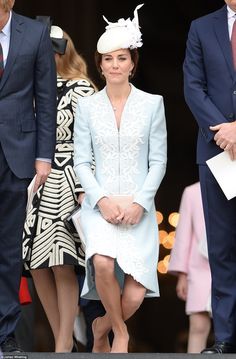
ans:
(86, 102)
(148, 95)
(74, 82)
(80, 83)
(193, 189)
(96, 96)
(81, 87)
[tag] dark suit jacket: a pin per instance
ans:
(210, 78)
(28, 97)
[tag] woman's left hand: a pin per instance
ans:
(133, 214)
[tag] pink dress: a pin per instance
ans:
(187, 255)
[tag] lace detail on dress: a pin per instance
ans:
(134, 264)
(123, 243)
(119, 149)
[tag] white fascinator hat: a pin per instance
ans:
(123, 34)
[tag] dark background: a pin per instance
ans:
(160, 325)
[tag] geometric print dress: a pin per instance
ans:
(46, 240)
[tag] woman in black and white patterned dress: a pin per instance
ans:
(50, 252)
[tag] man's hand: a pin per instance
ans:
(225, 137)
(43, 169)
(232, 152)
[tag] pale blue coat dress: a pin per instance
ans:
(131, 160)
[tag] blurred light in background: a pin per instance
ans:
(166, 239)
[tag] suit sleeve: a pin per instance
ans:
(45, 97)
(83, 157)
(179, 259)
(156, 160)
(195, 86)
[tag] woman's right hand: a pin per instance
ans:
(81, 198)
(182, 286)
(110, 211)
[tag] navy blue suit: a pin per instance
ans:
(27, 132)
(210, 92)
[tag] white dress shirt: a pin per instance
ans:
(5, 35)
(231, 19)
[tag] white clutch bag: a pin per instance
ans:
(76, 220)
(123, 201)
(72, 223)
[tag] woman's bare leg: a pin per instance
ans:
(109, 292)
(101, 342)
(199, 329)
(132, 298)
(67, 298)
(45, 286)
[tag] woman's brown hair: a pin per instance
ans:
(71, 65)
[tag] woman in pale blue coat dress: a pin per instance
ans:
(125, 130)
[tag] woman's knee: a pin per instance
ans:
(103, 265)
(199, 323)
(131, 304)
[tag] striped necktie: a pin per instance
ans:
(1, 61)
(233, 43)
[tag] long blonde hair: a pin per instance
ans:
(7, 5)
(71, 65)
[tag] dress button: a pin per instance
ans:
(234, 92)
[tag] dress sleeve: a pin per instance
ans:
(83, 159)
(81, 88)
(157, 158)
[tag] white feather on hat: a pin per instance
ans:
(122, 34)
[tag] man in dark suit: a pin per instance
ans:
(27, 140)
(210, 92)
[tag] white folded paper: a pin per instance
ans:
(76, 220)
(202, 245)
(31, 194)
(224, 171)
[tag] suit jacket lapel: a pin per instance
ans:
(222, 33)
(15, 43)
